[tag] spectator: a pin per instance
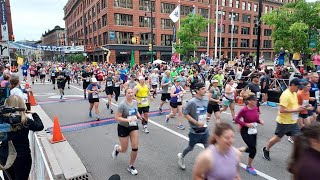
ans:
(15, 87)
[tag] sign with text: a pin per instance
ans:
(4, 24)
(4, 49)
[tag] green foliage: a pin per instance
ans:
(74, 58)
(292, 24)
(189, 33)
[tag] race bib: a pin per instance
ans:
(258, 95)
(144, 101)
(317, 96)
(87, 79)
(95, 95)
(109, 83)
(24, 71)
(132, 115)
(117, 84)
(203, 119)
(179, 98)
(53, 74)
(295, 116)
(305, 103)
(253, 130)
(250, 64)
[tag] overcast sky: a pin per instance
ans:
(31, 18)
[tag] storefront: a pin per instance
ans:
(145, 57)
(166, 56)
(123, 57)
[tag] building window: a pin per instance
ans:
(98, 7)
(267, 44)
(145, 21)
(95, 40)
(221, 28)
(266, 9)
(166, 24)
(89, 14)
(222, 42)
(235, 16)
(246, 18)
(203, 12)
(123, 3)
(104, 20)
(254, 43)
(104, 5)
(244, 43)
(204, 42)
(145, 38)
(243, 5)
(167, 8)
(144, 5)
(249, 6)
(267, 32)
(105, 37)
(235, 29)
(90, 28)
(185, 10)
(230, 3)
(255, 7)
(223, 2)
(255, 20)
(255, 31)
(99, 23)
(245, 30)
(223, 15)
(99, 40)
(235, 42)
(94, 26)
(271, 8)
(237, 3)
(93, 11)
(123, 37)
(123, 19)
(166, 39)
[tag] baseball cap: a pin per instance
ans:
(296, 82)
(199, 85)
(141, 78)
(215, 81)
(94, 80)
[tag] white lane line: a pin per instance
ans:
(186, 138)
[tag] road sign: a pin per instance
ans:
(4, 49)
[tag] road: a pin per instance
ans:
(157, 157)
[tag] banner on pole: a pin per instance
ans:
(4, 49)
(4, 23)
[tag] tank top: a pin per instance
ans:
(224, 166)
(109, 82)
(231, 95)
(177, 98)
(142, 95)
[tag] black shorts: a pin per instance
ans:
(53, 79)
(67, 78)
(303, 116)
(265, 91)
(93, 100)
(109, 90)
(61, 85)
(85, 84)
(287, 129)
(143, 109)
(154, 86)
(213, 108)
(125, 131)
(175, 104)
(32, 75)
(42, 76)
(165, 96)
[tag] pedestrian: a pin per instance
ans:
(214, 97)
(93, 90)
(228, 98)
(21, 167)
(86, 76)
(287, 117)
(53, 75)
(61, 82)
(109, 90)
(195, 113)
(127, 115)
(248, 128)
(220, 160)
(166, 85)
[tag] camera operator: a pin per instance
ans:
(22, 165)
(15, 88)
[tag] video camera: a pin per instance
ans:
(8, 121)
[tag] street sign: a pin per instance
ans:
(112, 35)
(4, 49)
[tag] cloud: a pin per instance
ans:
(33, 17)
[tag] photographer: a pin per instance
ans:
(22, 165)
(15, 88)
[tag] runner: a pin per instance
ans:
(195, 113)
(93, 90)
(248, 131)
(254, 87)
(192, 80)
(24, 69)
(100, 75)
(287, 116)
(42, 72)
(67, 72)
(220, 160)
(127, 115)
(109, 89)
(61, 82)
(154, 80)
(116, 86)
(214, 101)
(141, 91)
(176, 94)
(131, 83)
(220, 78)
(165, 84)
(53, 75)
(86, 76)
(228, 98)
(303, 100)
(32, 70)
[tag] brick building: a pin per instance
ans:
(113, 23)
(54, 37)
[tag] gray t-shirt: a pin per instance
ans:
(133, 84)
(165, 80)
(183, 80)
(127, 110)
(197, 109)
(215, 94)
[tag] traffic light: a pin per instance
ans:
(133, 40)
(11, 38)
(138, 39)
(150, 47)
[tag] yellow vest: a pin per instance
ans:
(142, 95)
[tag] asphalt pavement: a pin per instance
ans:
(157, 156)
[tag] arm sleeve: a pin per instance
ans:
(240, 115)
(36, 123)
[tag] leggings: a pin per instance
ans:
(250, 140)
(68, 79)
(116, 91)
(20, 169)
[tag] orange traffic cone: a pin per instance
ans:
(240, 101)
(57, 135)
(31, 99)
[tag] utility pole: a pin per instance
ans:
(259, 33)
(151, 26)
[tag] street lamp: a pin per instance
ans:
(259, 34)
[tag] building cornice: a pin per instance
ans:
(76, 3)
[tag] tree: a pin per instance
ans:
(293, 25)
(190, 33)
(75, 58)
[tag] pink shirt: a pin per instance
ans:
(248, 116)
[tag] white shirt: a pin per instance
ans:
(154, 79)
(18, 92)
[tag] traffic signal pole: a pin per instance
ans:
(151, 26)
(259, 34)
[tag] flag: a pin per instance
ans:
(175, 15)
(232, 22)
(132, 59)
(20, 61)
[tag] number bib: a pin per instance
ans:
(95, 95)
(295, 116)
(87, 79)
(202, 115)
(144, 101)
(253, 130)
(132, 115)
(117, 84)
(305, 103)
(179, 98)
(53, 74)
(317, 95)
(25, 71)
(258, 95)
(109, 83)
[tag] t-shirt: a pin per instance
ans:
(289, 100)
(265, 78)
(303, 100)
(165, 80)
(127, 110)
(215, 94)
(248, 116)
(254, 88)
(87, 76)
(220, 78)
(154, 79)
(93, 87)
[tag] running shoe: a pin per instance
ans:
(167, 119)
(98, 118)
(115, 151)
(181, 161)
(145, 129)
(181, 127)
(61, 97)
(54, 87)
(111, 111)
(251, 170)
(107, 105)
(160, 110)
(90, 114)
(68, 87)
(132, 170)
(266, 154)
(85, 96)
(290, 139)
